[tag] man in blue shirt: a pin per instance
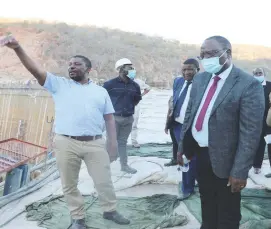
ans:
(125, 95)
(81, 109)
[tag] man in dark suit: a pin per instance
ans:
(181, 94)
(169, 128)
(222, 125)
(259, 75)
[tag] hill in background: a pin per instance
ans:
(157, 60)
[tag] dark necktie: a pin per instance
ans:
(207, 101)
(180, 100)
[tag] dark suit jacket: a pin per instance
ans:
(177, 87)
(235, 123)
(267, 91)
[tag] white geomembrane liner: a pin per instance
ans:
(150, 170)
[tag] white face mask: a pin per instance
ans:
(212, 64)
(259, 78)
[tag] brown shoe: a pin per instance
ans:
(78, 224)
(116, 217)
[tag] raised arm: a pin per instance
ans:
(29, 64)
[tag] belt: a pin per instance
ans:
(123, 115)
(84, 138)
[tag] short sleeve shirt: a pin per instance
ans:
(79, 108)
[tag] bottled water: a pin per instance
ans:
(184, 169)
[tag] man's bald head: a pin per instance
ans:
(217, 47)
(223, 42)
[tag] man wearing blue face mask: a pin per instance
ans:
(259, 75)
(222, 126)
(125, 94)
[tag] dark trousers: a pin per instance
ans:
(258, 159)
(220, 208)
(189, 177)
(269, 153)
(174, 143)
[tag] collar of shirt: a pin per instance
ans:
(224, 75)
(187, 82)
(89, 81)
(120, 80)
(264, 83)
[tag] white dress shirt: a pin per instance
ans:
(142, 84)
(180, 119)
(202, 136)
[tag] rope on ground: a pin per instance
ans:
(123, 175)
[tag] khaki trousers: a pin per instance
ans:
(69, 155)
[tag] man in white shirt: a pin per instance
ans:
(181, 94)
(146, 89)
(222, 127)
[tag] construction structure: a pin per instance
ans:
(26, 123)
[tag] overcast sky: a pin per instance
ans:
(190, 21)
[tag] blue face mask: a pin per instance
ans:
(212, 64)
(259, 78)
(131, 74)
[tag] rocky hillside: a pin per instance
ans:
(157, 60)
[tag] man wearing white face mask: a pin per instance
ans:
(125, 94)
(259, 75)
(222, 127)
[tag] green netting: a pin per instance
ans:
(256, 204)
(156, 150)
(152, 150)
(150, 212)
(145, 213)
(256, 208)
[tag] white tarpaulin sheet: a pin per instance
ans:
(150, 169)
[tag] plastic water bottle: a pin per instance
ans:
(185, 167)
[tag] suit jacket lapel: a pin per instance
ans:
(180, 86)
(225, 90)
(266, 91)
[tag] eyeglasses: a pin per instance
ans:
(209, 54)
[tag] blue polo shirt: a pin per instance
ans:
(124, 96)
(79, 109)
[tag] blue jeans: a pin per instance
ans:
(189, 178)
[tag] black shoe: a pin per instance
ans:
(78, 224)
(185, 196)
(268, 175)
(116, 217)
(173, 162)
